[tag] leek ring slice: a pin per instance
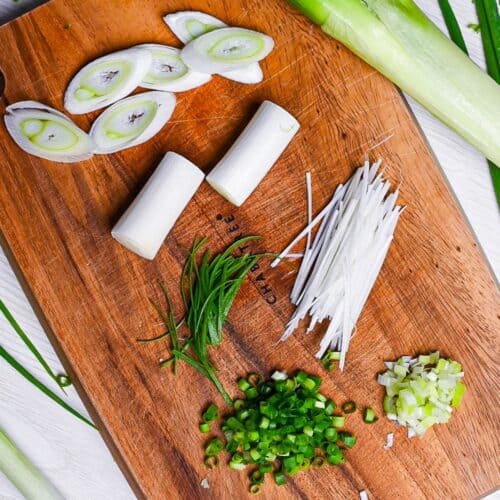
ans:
(46, 133)
(132, 121)
(106, 80)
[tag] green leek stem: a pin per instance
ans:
(23, 474)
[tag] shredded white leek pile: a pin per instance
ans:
(421, 392)
(341, 265)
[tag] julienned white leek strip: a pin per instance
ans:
(363, 495)
(23, 474)
(254, 153)
(188, 25)
(226, 49)
(45, 132)
(389, 443)
(106, 80)
(132, 121)
(345, 259)
(147, 222)
(168, 71)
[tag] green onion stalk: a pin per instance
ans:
(397, 39)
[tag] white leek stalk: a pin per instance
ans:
(23, 474)
(341, 266)
(188, 25)
(106, 80)
(226, 49)
(45, 132)
(147, 222)
(168, 71)
(132, 121)
(254, 153)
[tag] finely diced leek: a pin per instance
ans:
(421, 392)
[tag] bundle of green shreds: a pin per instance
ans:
(283, 426)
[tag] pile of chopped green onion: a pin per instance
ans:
(421, 392)
(283, 426)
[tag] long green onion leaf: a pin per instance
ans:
(41, 386)
(452, 25)
(23, 474)
(61, 380)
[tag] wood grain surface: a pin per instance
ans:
(435, 291)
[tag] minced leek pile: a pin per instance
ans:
(422, 391)
(283, 426)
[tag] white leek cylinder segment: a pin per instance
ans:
(168, 71)
(23, 474)
(132, 121)
(106, 80)
(254, 153)
(45, 132)
(188, 25)
(147, 222)
(226, 49)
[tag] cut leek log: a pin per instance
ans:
(226, 49)
(45, 132)
(254, 153)
(168, 71)
(23, 474)
(132, 121)
(147, 222)
(188, 25)
(106, 80)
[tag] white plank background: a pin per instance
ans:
(72, 455)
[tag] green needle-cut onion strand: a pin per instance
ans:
(41, 386)
(61, 380)
(452, 25)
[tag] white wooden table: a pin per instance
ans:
(72, 455)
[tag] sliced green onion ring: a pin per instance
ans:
(45, 132)
(349, 407)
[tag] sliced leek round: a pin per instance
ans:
(226, 49)
(106, 80)
(132, 121)
(248, 74)
(168, 71)
(188, 25)
(45, 132)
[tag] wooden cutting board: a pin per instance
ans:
(435, 290)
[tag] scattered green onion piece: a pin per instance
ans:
(279, 478)
(370, 417)
(255, 489)
(338, 422)
(204, 427)
(349, 407)
(243, 384)
(254, 379)
(210, 414)
(214, 447)
(257, 477)
(348, 439)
